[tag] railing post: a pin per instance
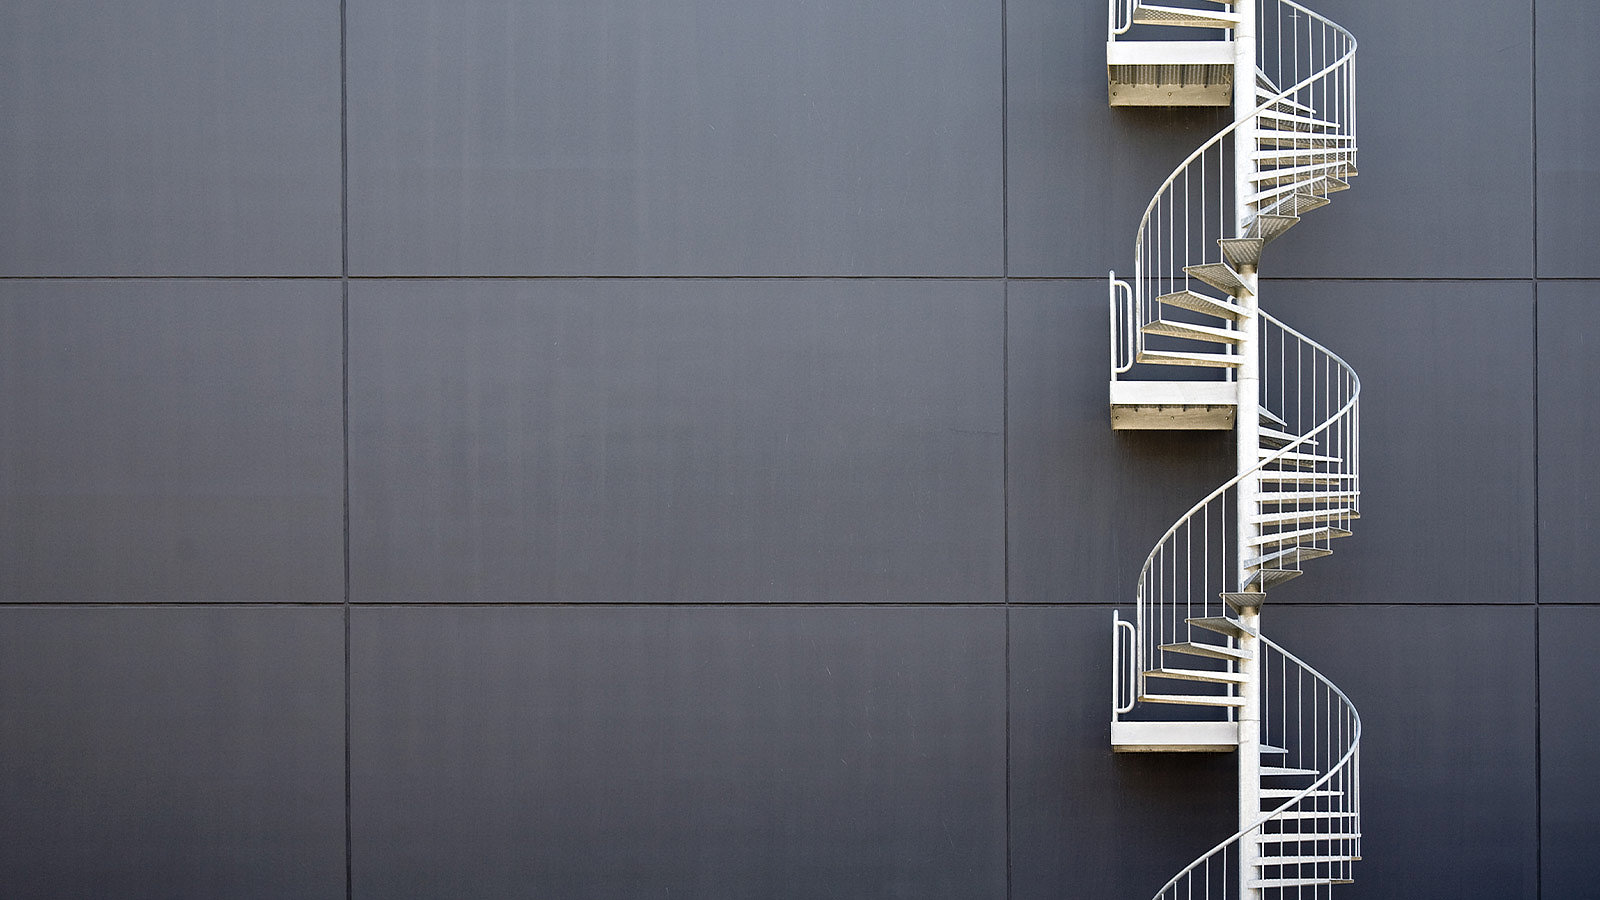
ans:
(1247, 429)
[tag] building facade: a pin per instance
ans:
(623, 449)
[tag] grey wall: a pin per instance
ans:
(658, 448)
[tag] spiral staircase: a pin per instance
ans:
(1192, 349)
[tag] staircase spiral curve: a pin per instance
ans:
(1193, 670)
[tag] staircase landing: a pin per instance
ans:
(1174, 737)
(1173, 405)
(1170, 73)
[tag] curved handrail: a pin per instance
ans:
(1152, 612)
(1345, 766)
(1279, 454)
(1195, 168)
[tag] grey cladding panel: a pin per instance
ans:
(170, 441)
(1086, 822)
(696, 441)
(689, 137)
(1447, 699)
(1569, 719)
(1446, 138)
(1447, 438)
(615, 752)
(1086, 504)
(169, 137)
(1569, 486)
(172, 753)
(1569, 131)
(1445, 131)
(1079, 174)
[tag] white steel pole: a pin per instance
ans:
(1247, 425)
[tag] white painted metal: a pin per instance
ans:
(1295, 412)
(1172, 405)
(1173, 737)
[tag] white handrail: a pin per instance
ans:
(1180, 214)
(1189, 567)
(1301, 494)
(1121, 685)
(1346, 742)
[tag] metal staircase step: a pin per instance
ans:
(1282, 121)
(1283, 191)
(1242, 253)
(1193, 699)
(1308, 838)
(1268, 417)
(1336, 183)
(1192, 18)
(1273, 439)
(1278, 139)
(1292, 477)
(1296, 882)
(1304, 534)
(1266, 579)
(1297, 204)
(1269, 750)
(1215, 651)
(1285, 102)
(1220, 276)
(1283, 793)
(1193, 332)
(1197, 675)
(1286, 770)
(1241, 600)
(1306, 515)
(1281, 497)
(1293, 555)
(1303, 860)
(1277, 176)
(1222, 625)
(1270, 226)
(1174, 358)
(1299, 459)
(1211, 306)
(1262, 81)
(1307, 153)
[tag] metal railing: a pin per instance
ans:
(1314, 834)
(1305, 140)
(1309, 493)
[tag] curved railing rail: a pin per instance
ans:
(1305, 489)
(1189, 212)
(1309, 492)
(1315, 833)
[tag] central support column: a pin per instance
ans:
(1247, 429)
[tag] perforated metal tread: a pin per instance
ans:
(1197, 675)
(1193, 332)
(1200, 303)
(1220, 276)
(1293, 556)
(1193, 699)
(1215, 651)
(1175, 358)
(1222, 625)
(1191, 18)
(1296, 882)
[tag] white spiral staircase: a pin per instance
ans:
(1193, 671)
